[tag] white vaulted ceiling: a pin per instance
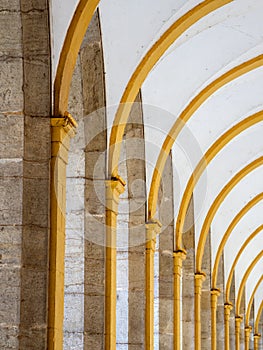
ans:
(217, 43)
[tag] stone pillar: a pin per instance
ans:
(248, 330)
(164, 273)
(179, 256)
(62, 130)
(227, 310)
(114, 188)
(152, 229)
(95, 135)
(238, 320)
(135, 162)
(188, 283)
(199, 279)
(257, 337)
(214, 295)
(220, 334)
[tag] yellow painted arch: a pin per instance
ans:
(251, 300)
(244, 280)
(229, 280)
(227, 234)
(186, 115)
(203, 163)
(258, 317)
(216, 204)
(144, 68)
(69, 53)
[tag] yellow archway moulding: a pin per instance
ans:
(238, 318)
(258, 317)
(227, 234)
(203, 163)
(231, 273)
(216, 204)
(244, 280)
(185, 116)
(69, 53)
(251, 300)
(144, 68)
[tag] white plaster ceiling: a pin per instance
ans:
(215, 44)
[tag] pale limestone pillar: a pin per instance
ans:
(62, 130)
(227, 310)
(152, 229)
(188, 281)
(214, 295)
(248, 330)
(179, 257)
(114, 188)
(238, 320)
(199, 279)
(257, 337)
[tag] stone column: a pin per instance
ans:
(137, 197)
(199, 279)
(165, 278)
(62, 130)
(257, 337)
(188, 283)
(238, 320)
(227, 309)
(152, 229)
(179, 256)
(214, 295)
(114, 188)
(248, 330)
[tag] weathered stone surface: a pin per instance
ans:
(8, 337)
(37, 139)
(10, 29)
(33, 339)
(94, 308)
(36, 86)
(11, 135)
(11, 77)
(10, 204)
(10, 245)
(33, 308)
(10, 294)
(35, 247)
(36, 202)
(11, 167)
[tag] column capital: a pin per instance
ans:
(228, 307)
(66, 122)
(257, 336)
(200, 276)
(248, 329)
(238, 319)
(199, 279)
(180, 254)
(179, 257)
(62, 130)
(215, 291)
(153, 228)
(114, 188)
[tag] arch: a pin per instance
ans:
(244, 280)
(229, 231)
(251, 300)
(69, 53)
(144, 68)
(186, 115)
(229, 280)
(203, 163)
(216, 204)
(258, 317)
